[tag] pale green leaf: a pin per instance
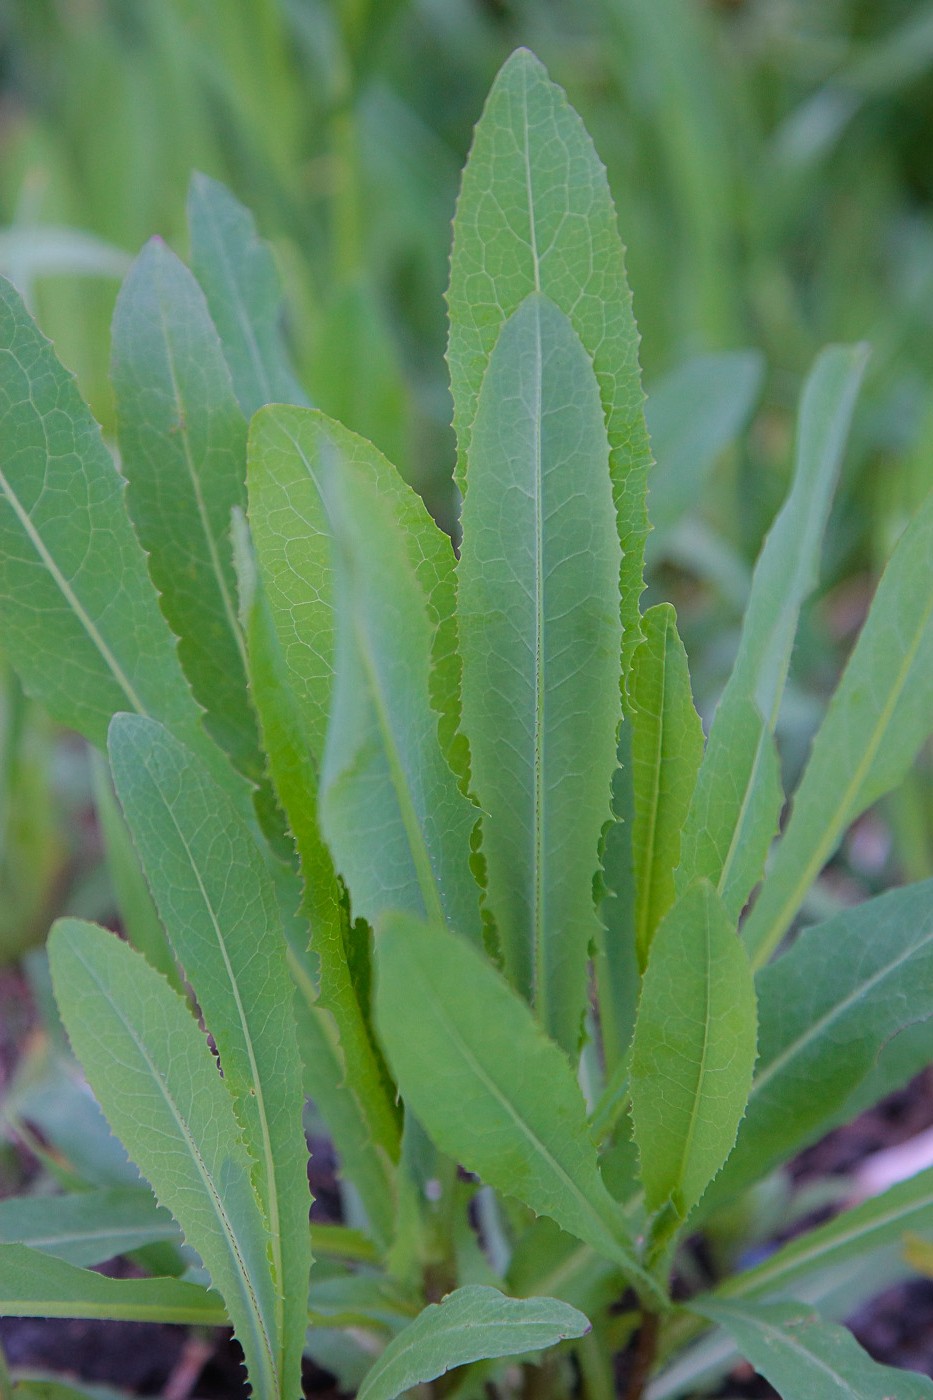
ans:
(471, 1324)
(735, 811)
(805, 1358)
(494, 1093)
(535, 215)
(80, 617)
(210, 884)
(877, 720)
(183, 449)
(694, 1051)
(86, 1227)
(390, 807)
(667, 746)
(33, 1284)
(155, 1077)
(289, 527)
(540, 639)
(827, 1009)
(238, 275)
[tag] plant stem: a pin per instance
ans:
(645, 1350)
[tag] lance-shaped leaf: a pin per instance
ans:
(735, 811)
(694, 1051)
(292, 538)
(237, 272)
(827, 1008)
(540, 638)
(474, 1323)
(183, 447)
(491, 1089)
(391, 810)
(803, 1356)
(877, 720)
(86, 1227)
(324, 902)
(213, 892)
(535, 215)
(80, 617)
(158, 1084)
(34, 1284)
(667, 746)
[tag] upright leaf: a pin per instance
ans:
(210, 884)
(540, 638)
(535, 215)
(667, 746)
(79, 615)
(827, 1008)
(693, 1053)
(156, 1080)
(239, 278)
(803, 1356)
(471, 1324)
(289, 526)
(391, 810)
(491, 1089)
(878, 718)
(183, 448)
(734, 814)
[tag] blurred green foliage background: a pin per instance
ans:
(772, 164)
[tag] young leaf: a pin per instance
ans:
(540, 639)
(734, 814)
(68, 556)
(694, 1051)
(494, 1093)
(183, 448)
(806, 1358)
(391, 810)
(153, 1073)
(33, 1284)
(878, 718)
(291, 534)
(239, 278)
(535, 215)
(210, 884)
(86, 1227)
(667, 746)
(826, 1009)
(471, 1324)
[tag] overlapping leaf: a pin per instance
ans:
(86, 1227)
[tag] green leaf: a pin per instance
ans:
(324, 901)
(540, 639)
(210, 884)
(80, 617)
(535, 215)
(291, 534)
(390, 807)
(826, 1010)
(239, 278)
(694, 1051)
(87, 1227)
(877, 720)
(693, 413)
(883, 1220)
(183, 448)
(156, 1080)
(33, 1284)
(735, 811)
(471, 1324)
(805, 1358)
(490, 1088)
(667, 746)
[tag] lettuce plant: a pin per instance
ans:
(435, 839)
